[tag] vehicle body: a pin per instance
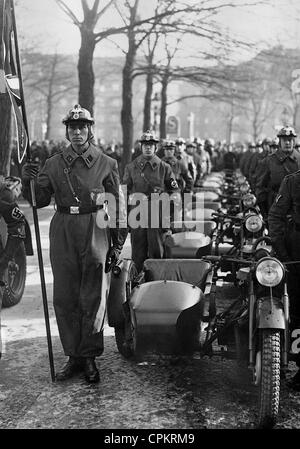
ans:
(160, 309)
(15, 274)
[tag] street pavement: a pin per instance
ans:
(156, 393)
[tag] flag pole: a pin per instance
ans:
(34, 207)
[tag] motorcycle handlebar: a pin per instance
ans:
(212, 258)
(231, 217)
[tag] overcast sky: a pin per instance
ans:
(277, 22)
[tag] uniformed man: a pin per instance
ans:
(203, 162)
(261, 152)
(10, 189)
(274, 145)
(245, 159)
(276, 166)
(82, 247)
(147, 175)
(182, 175)
(182, 155)
(284, 231)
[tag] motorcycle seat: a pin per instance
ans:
(191, 271)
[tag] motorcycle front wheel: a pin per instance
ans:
(268, 377)
(14, 278)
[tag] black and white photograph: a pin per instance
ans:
(150, 218)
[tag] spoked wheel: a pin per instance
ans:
(14, 278)
(267, 377)
(125, 333)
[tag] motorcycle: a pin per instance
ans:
(256, 324)
(14, 276)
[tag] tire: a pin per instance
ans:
(14, 278)
(125, 333)
(125, 341)
(269, 377)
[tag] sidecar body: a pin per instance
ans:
(159, 310)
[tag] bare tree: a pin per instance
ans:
(49, 75)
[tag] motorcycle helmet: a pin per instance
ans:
(189, 143)
(287, 131)
(180, 141)
(267, 141)
(147, 137)
(168, 145)
(78, 114)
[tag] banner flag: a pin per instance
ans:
(11, 77)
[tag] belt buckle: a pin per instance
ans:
(74, 210)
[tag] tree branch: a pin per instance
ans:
(69, 12)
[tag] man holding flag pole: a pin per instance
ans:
(11, 82)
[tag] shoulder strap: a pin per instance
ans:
(67, 171)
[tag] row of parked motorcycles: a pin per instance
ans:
(174, 307)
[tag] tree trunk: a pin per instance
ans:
(86, 71)
(148, 102)
(163, 106)
(126, 113)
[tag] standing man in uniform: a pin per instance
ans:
(182, 155)
(81, 251)
(182, 175)
(276, 166)
(148, 175)
(284, 231)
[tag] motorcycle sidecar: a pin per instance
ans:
(160, 310)
(186, 244)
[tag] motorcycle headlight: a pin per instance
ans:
(244, 188)
(253, 223)
(269, 272)
(249, 200)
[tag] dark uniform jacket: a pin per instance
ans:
(254, 167)
(149, 176)
(272, 171)
(284, 218)
(182, 175)
(91, 172)
(245, 162)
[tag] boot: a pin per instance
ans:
(72, 367)
(90, 370)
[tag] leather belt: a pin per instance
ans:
(77, 210)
